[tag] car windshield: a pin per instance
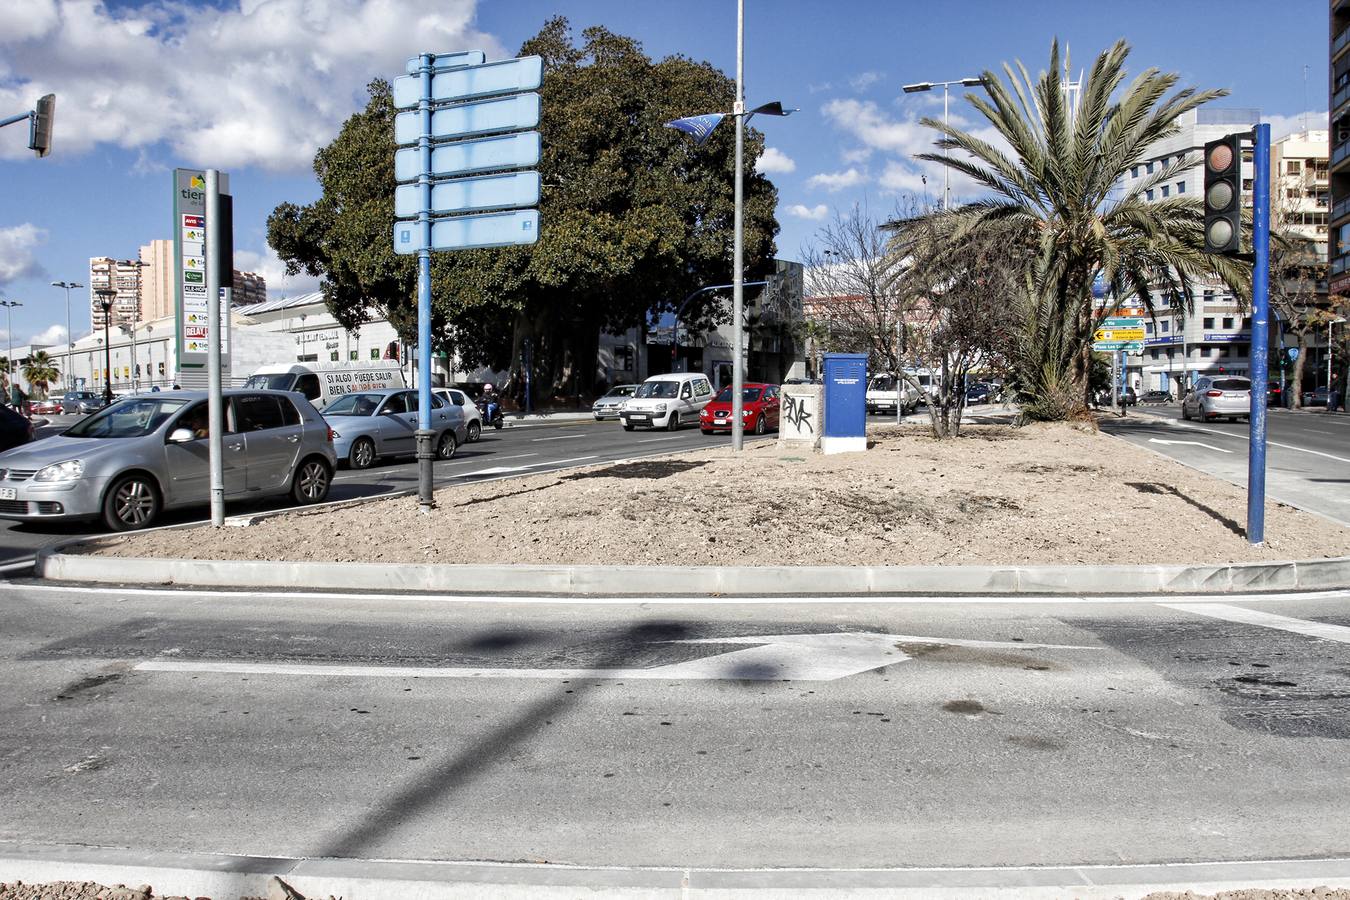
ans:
(883, 383)
(132, 418)
(1232, 384)
(662, 390)
(748, 395)
(625, 390)
(353, 405)
(281, 382)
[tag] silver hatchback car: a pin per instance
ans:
(140, 456)
(372, 424)
(1213, 398)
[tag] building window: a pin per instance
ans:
(1181, 187)
(1247, 185)
(1227, 321)
(1166, 190)
(1148, 167)
(1134, 171)
(1208, 322)
(1153, 354)
(1164, 327)
(1148, 328)
(1294, 167)
(1148, 194)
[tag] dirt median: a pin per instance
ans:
(1040, 495)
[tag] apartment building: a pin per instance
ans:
(157, 284)
(123, 277)
(249, 288)
(146, 288)
(1338, 244)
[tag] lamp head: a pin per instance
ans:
(972, 82)
(916, 88)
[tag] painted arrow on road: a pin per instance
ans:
(778, 657)
(1194, 443)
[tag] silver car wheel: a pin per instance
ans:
(445, 447)
(363, 453)
(311, 482)
(475, 432)
(133, 503)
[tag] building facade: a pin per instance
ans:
(157, 298)
(122, 276)
(1338, 244)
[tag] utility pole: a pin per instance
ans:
(738, 246)
(70, 336)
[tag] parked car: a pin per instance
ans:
(1274, 394)
(1156, 396)
(372, 424)
(15, 429)
(81, 402)
(883, 393)
(607, 407)
(51, 406)
(667, 401)
(759, 409)
(1212, 398)
(128, 463)
(1129, 397)
(473, 417)
(979, 392)
(1316, 397)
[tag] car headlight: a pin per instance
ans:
(62, 471)
(660, 407)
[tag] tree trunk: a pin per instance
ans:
(1299, 361)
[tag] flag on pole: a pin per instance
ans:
(699, 126)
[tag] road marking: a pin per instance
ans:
(676, 437)
(1244, 437)
(499, 470)
(1320, 630)
(779, 657)
(176, 595)
(1192, 443)
(19, 565)
(560, 437)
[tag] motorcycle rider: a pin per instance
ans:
(491, 403)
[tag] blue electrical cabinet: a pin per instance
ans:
(845, 403)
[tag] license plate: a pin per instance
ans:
(8, 494)
(639, 418)
(720, 421)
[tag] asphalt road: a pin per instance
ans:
(1081, 733)
(519, 449)
(1307, 453)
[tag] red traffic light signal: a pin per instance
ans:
(40, 126)
(1223, 194)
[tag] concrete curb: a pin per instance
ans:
(723, 581)
(224, 877)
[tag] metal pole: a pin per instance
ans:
(899, 365)
(215, 402)
(9, 353)
(1256, 455)
(426, 500)
(1115, 379)
(738, 252)
(946, 169)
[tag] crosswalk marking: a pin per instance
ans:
(1320, 630)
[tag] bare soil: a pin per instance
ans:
(1043, 494)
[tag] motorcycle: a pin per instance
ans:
(491, 411)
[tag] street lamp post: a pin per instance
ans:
(9, 334)
(106, 296)
(922, 86)
(70, 336)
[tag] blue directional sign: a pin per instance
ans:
(515, 113)
(441, 61)
(512, 151)
(507, 77)
(470, 194)
(502, 229)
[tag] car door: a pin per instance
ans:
(271, 428)
(398, 424)
(684, 406)
(187, 465)
(771, 404)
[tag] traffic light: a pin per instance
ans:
(40, 126)
(1223, 194)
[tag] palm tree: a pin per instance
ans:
(39, 371)
(1060, 183)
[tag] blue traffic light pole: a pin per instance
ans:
(426, 500)
(1260, 352)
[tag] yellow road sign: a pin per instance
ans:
(1119, 334)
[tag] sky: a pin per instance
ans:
(254, 87)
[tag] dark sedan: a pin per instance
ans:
(1156, 397)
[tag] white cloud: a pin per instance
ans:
(16, 252)
(856, 155)
(864, 81)
(52, 334)
(1283, 126)
(837, 181)
(814, 213)
(260, 82)
(775, 161)
(903, 178)
(270, 267)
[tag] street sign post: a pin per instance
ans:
(483, 115)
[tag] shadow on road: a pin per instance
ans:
(1150, 487)
(458, 769)
(660, 468)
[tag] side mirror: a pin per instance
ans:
(180, 436)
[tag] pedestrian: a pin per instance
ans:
(1334, 393)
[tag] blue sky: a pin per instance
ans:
(253, 86)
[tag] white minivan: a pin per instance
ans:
(667, 401)
(322, 383)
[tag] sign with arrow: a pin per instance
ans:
(775, 657)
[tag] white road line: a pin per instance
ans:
(1320, 630)
(654, 440)
(691, 600)
(18, 566)
(1243, 437)
(1191, 444)
(561, 437)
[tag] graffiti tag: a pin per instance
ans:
(797, 415)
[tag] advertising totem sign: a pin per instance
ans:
(189, 279)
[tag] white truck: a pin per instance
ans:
(321, 383)
(885, 392)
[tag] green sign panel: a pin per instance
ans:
(1118, 346)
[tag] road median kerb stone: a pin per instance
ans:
(711, 581)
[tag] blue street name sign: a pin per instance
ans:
(469, 194)
(513, 151)
(503, 229)
(507, 77)
(515, 113)
(442, 61)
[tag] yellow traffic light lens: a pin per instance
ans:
(1219, 195)
(1220, 233)
(1220, 158)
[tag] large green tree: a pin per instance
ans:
(1061, 182)
(634, 215)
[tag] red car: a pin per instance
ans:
(759, 409)
(48, 407)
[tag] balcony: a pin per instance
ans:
(1340, 96)
(1341, 208)
(1339, 42)
(1340, 153)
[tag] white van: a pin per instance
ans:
(883, 393)
(320, 383)
(667, 401)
